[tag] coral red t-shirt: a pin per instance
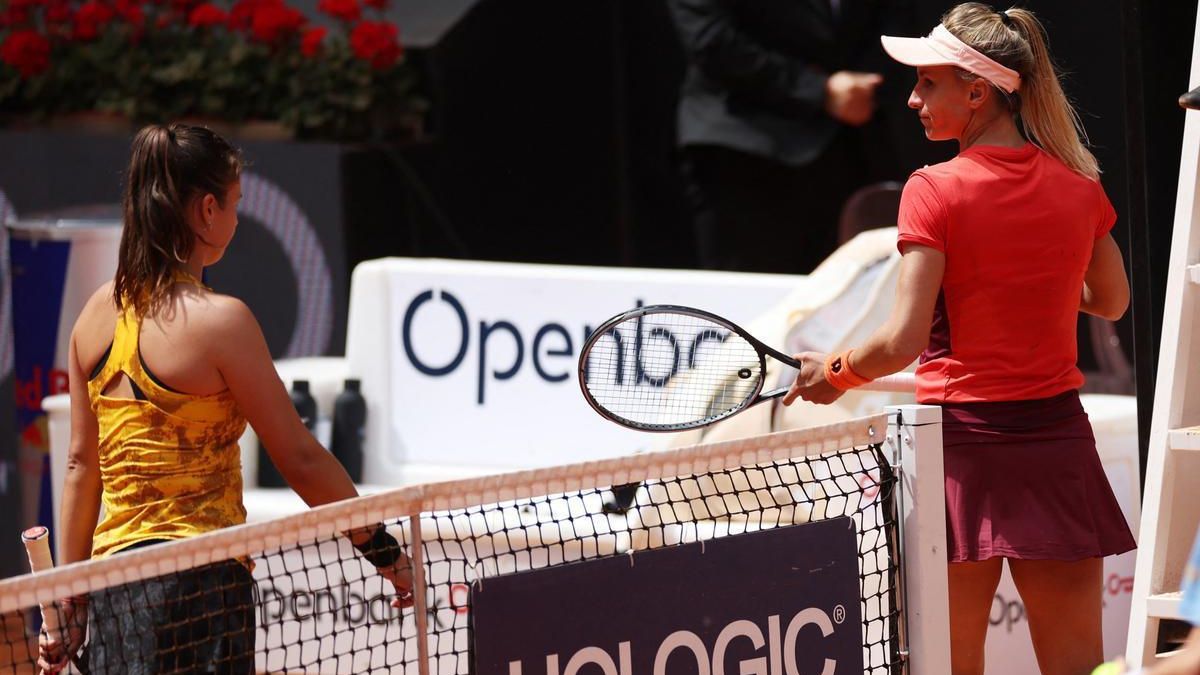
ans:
(1017, 227)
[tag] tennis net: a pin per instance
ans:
(292, 595)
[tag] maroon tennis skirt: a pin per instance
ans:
(1023, 480)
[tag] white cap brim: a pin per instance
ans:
(942, 48)
(914, 51)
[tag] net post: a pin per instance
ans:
(420, 609)
(915, 444)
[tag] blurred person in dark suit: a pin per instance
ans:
(778, 123)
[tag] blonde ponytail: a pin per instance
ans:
(1017, 40)
(1048, 117)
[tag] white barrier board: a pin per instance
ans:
(474, 364)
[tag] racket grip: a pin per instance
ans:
(899, 382)
(37, 547)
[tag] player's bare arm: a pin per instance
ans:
(1105, 286)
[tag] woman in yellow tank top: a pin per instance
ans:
(164, 375)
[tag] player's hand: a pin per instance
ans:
(55, 651)
(400, 573)
(850, 96)
(810, 383)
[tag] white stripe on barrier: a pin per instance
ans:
(267, 203)
(7, 214)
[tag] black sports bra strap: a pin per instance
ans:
(103, 360)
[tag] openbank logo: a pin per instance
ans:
(503, 351)
(349, 605)
(345, 604)
(775, 651)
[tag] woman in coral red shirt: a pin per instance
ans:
(1002, 247)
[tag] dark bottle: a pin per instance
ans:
(349, 424)
(306, 407)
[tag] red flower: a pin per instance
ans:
(131, 12)
(310, 42)
(26, 50)
(375, 41)
(377, 4)
(58, 12)
(207, 15)
(15, 15)
(346, 10)
(91, 17)
(273, 22)
(241, 15)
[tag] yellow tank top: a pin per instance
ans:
(169, 465)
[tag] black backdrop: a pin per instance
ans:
(555, 120)
(553, 132)
(553, 128)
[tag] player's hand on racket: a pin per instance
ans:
(385, 553)
(56, 652)
(810, 383)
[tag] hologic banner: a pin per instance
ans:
(775, 602)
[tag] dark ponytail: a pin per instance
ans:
(169, 167)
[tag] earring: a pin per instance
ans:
(208, 226)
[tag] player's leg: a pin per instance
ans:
(972, 590)
(1063, 604)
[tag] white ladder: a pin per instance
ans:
(1171, 504)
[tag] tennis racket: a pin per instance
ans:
(37, 547)
(671, 368)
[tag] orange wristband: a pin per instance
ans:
(839, 374)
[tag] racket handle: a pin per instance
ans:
(900, 382)
(37, 546)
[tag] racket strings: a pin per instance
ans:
(664, 370)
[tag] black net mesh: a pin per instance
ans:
(311, 603)
(479, 542)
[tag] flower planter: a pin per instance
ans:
(92, 122)
(254, 63)
(254, 130)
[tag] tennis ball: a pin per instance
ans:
(1110, 668)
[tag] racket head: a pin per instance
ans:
(669, 368)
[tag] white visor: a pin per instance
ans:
(941, 48)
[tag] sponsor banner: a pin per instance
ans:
(38, 275)
(782, 601)
(331, 616)
(479, 347)
(55, 265)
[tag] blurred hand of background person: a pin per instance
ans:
(780, 119)
(850, 96)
